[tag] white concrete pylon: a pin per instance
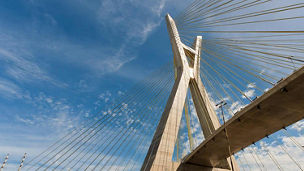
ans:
(159, 156)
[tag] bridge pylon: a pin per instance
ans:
(187, 69)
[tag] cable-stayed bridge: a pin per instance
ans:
(232, 99)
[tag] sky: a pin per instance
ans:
(65, 62)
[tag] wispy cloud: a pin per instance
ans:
(250, 91)
(130, 23)
(251, 85)
(110, 63)
(10, 90)
(266, 151)
(158, 9)
(236, 106)
(20, 67)
(58, 115)
(44, 49)
(299, 126)
(133, 20)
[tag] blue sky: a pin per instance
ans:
(62, 61)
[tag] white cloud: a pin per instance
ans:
(111, 63)
(9, 89)
(251, 85)
(159, 8)
(148, 28)
(26, 121)
(20, 67)
(236, 106)
(124, 16)
(53, 113)
(105, 97)
(299, 126)
(275, 148)
(120, 93)
(23, 64)
(51, 117)
(49, 100)
(249, 93)
(82, 84)
(132, 20)
(195, 125)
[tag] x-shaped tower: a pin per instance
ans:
(187, 70)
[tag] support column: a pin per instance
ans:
(206, 114)
(159, 156)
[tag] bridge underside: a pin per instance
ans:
(280, 107)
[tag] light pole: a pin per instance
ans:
(221, 105)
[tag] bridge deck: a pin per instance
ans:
(281, 106)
